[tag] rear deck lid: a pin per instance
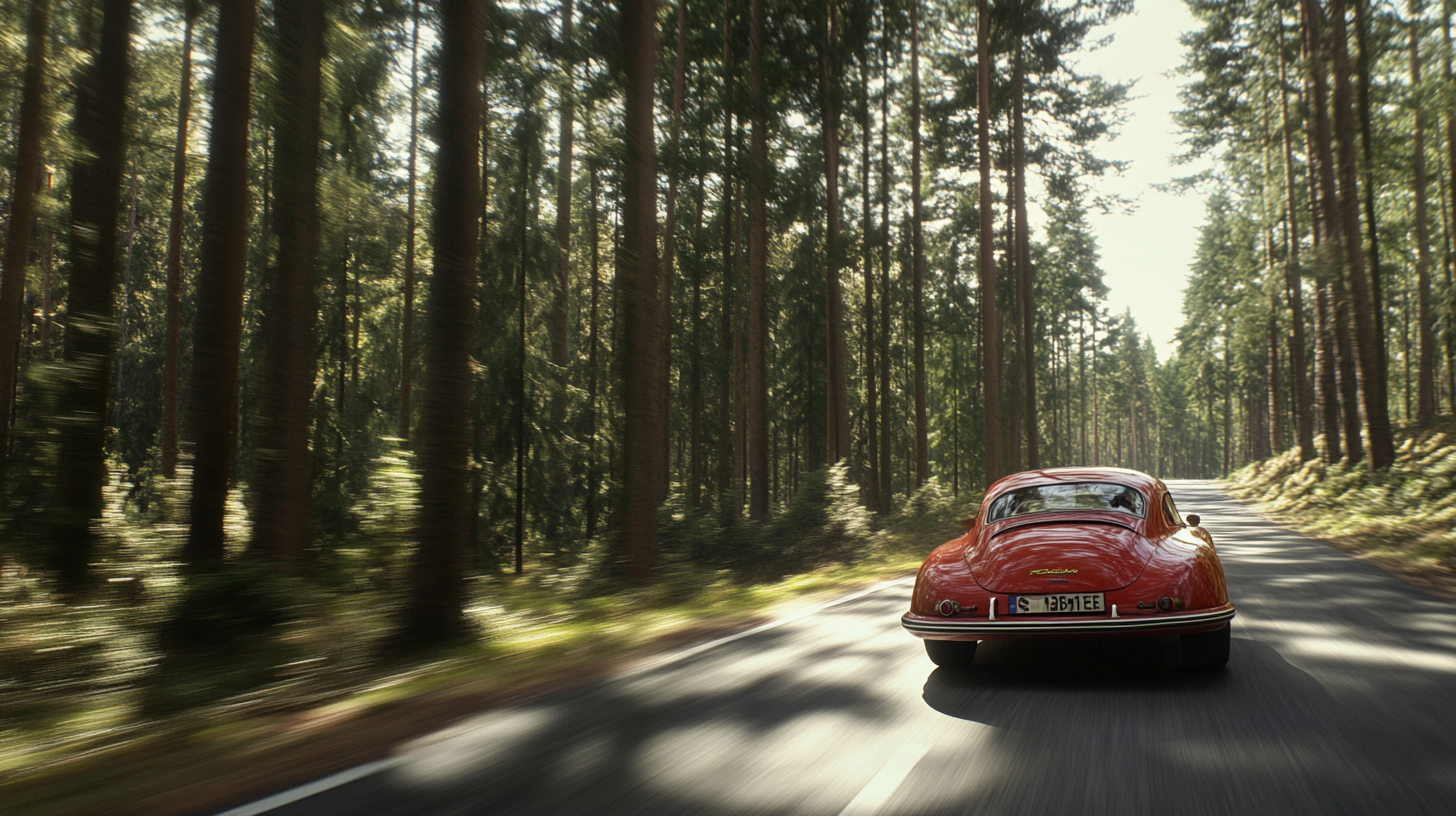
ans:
(1048, 555)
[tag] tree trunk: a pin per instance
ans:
(1011, 439)
(561, 287)
(407, 330)
(885, 182)
(1294, 282)
(176, 224)
(1326, 391)
(1023, 264)
(887, 482)
(872, 480)
(695, 396)
(740, 429)
(1275, 438)
(435, 608)
(89, 346)
(728, 332)
(22, 209)
(669, 243)
(757, 424)
(725, 311)
(592, 470)
(1368, 347)
(640, 291)
(917, 263)
(220, 281)
(1443, 196)
(1082, 385)
(990, 331)
(527, 192)
(1346, 360)
(1327, 227)
(1426, 369)
(837, 422)
(1450, 332)
(281, 466)
(1096, 402)
(478, 432)
(1362, 35)
(1326, 385)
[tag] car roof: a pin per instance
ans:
(1148, 485)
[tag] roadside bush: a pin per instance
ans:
(238, 604)
(931, 512)
(822, 524)
(1407, 514)
(377, 557)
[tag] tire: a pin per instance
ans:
(951, 654)
(1206, 650)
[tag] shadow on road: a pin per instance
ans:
(661, 742)
(1262, 736)
(994, 689)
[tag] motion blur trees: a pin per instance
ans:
(586, 363)
(217, 338)
(641, 293)
(101, 93)
(281, 455)
(436, 604)
(22, 207)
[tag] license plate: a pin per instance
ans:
(1062, 604)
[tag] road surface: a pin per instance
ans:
(1339, 698)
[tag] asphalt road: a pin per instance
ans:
(1339, 698)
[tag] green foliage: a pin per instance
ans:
(376, 557)
(227, 609)
(931, 505)
(823, 523)
(26, 501)
(1406, 515)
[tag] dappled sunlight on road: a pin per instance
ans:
(1346, 649)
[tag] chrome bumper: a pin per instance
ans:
(1002, 627)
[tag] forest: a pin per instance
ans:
(397, 299)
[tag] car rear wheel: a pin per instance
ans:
(951, 654)
(1206, 650)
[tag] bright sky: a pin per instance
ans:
(1145, 255)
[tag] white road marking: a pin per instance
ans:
(879, 789)
(342, 778)
(288, 797)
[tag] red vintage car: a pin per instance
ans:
(1071, 553)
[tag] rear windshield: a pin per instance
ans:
(1067, 496)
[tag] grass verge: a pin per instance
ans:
(319, 697)
(1403, 520)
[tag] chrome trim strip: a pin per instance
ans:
(1004, 626)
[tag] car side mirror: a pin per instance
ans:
(968, 524)
(1193, 520)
